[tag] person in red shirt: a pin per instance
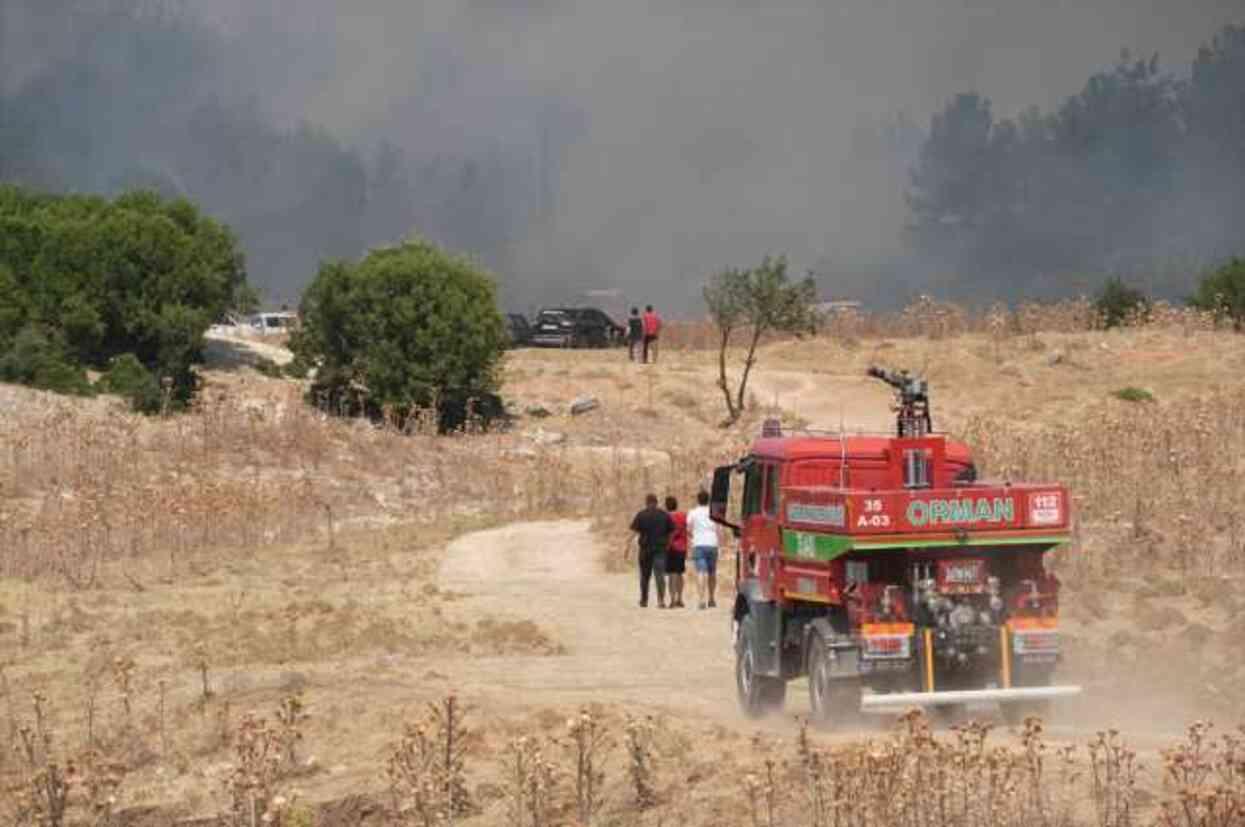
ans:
(652, 327)
(676, 553)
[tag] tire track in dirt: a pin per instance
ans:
(551, 573)
(675, 661)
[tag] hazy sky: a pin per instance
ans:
(708, 133)
(720, 131)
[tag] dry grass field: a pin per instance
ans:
(252, 613)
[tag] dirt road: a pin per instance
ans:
(677, 661)
(550, 573)
(826, 401)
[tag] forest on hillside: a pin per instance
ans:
(110, 97)
(1140, 175)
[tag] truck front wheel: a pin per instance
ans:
(832, 702)
(758, 694)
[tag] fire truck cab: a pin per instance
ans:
(882, 569)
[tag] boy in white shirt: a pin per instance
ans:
(703, 538)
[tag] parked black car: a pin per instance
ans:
(576, 327)
(519, 329)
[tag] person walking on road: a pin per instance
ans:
(652, 328)
(704, 540)
(653, 528)
(635, 334)
(676, 554)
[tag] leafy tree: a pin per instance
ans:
(184, 106)
(1137, 171)
(129, 379)
(246, 300)
(13, 310)
(39, 359)
(88, 280)
(1116, 143)
(1215, 105)
(950, 181)
(408, 327)
(1117, 303)
(1223, 293)
(1214, 154)
(756, 302)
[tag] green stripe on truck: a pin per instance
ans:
(810, 545)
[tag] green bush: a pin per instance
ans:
(12, 308)
(1117, 304)
(129, 379)
(407, 327)
(296, 368)
(269, 368)
(1223, 293)
(138, 275)
(39, 359)
(1131, 394)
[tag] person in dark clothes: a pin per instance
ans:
(676, 553)
(653, 528)
(635, 334)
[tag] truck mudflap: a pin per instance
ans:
(967, 696)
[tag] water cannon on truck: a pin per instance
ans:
(882, 569)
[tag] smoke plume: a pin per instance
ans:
(571, 146)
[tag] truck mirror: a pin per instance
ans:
(719, 496)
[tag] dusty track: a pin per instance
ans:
(550, 573)
(827, 401)
(676, 661)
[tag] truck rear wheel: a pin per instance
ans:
(758, 694)
(832, 702)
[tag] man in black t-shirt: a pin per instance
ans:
(635, 333)
(653, 528)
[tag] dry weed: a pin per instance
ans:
(1168, 477)
(426, 768)
(532, 786)
(251, 785)
(49, 788)
(914, 778)
(1205, 779)
(639, 735)
(587, 744)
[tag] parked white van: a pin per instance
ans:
(271, 324)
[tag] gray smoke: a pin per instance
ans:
(571, 145)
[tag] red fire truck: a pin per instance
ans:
(885, 571)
